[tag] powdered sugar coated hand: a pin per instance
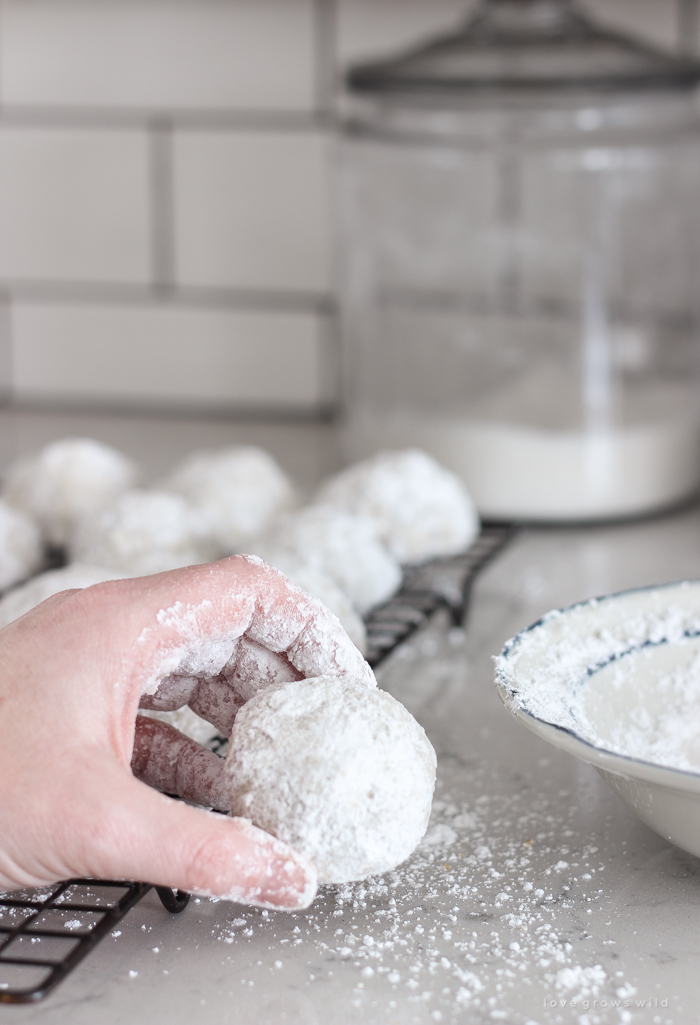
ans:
(75, 670)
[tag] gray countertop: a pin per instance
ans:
(537, 895)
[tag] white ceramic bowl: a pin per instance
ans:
(613, 681)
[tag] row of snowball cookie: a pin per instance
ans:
(345, 547)
(397, 507)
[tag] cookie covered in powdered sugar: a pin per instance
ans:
(240, 489)
(340, 771)
(144, 531)
(420, 509)
(22, 599)
(66, 481)
(21, 549)
(338, 543)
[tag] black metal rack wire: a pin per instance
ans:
(45, 934)
(440, 583)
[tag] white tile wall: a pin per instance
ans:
(252, 209)
(74, 205)
(164, 190)
(256, 54)
(167, 355)
(373, 28)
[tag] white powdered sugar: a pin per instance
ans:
(66, 481)
(489, 920)
(21, 551)
(646, 705)
(253, 668)
(278, 634)
(622, 672)
(341, 772)
(322, 586)
(187, 722)
(420, 509)
(343, 545)
(206, 658)
(240, 489)
(322, 648)
(22, 599)
(144, 531)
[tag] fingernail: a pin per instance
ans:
(292, 887)
(289, 879)
(275, 876)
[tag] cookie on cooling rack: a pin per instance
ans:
(420, 509)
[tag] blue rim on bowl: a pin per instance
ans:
(543, 671)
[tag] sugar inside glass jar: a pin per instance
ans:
(520, 215)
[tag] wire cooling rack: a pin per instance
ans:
(45, 934)
(441, 583)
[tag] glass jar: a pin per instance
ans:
(521, 263)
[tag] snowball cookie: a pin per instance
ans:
(144, 532)
(66, 481)
(21, 599)
(340, 771)
(240, 488)
(322, 586)
(340, 544)
(21, 550)
(420, 509)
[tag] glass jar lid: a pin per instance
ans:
(515, 46)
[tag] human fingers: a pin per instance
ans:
(168, 760)
(72, 673)
(172, 844)
(173, 692)
(287, 619)
(217, 703)
(139, 833)
(217, 699)
(183, 612)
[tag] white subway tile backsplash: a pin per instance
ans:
(228, 186)
(256, 54)
(169, 355)
(74, 205)
(252, 209)
(368, 29)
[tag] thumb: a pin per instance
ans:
(148, 836)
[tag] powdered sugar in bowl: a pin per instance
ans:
(616, 682)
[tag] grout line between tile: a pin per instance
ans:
(155, 407)
(104, 293)
(194, 120)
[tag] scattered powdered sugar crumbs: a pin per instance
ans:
(476, 913)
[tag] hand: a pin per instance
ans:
(73, 672)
